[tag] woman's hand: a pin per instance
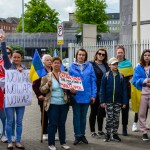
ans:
(50, 83)
(2, 36)
(41, 98)
(72, 90)
(124, 106)
(103, 105)
(20, 69)
(92, 100)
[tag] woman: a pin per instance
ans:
(2, 85)
(141, 80)
(125, 67)
(46, 59)
(100, 67)
(83, 69)
(55, 105)
(14, 65)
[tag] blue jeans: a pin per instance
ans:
(57, 115)
(9, 123)
(3, 119)
(79, 118)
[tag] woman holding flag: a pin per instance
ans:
(141, 91)
(15, 64)
(47, 61)
(125, 67)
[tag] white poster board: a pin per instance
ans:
(18, 88)
(66, 82)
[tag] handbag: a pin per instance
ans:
(68, 97)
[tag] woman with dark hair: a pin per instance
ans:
(55, 105)
(141, 80)
(125, 67)
(14, 64)
(100, 67)
(83, 69)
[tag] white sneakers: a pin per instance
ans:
(65, 146)
(4, 139)
(45, 137)
(134, 127)
(52, 147)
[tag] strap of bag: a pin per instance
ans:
(55, 77)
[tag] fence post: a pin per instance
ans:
(113, 44)
(71, 53)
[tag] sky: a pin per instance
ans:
(13, 8)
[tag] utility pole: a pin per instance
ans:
(138, 30)
(23, 26)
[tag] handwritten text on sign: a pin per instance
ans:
(18, 88)
(67, 82)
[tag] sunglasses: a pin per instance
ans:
(100, 54)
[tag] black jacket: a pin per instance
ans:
(99, 74)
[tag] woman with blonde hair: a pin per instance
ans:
(47, 61)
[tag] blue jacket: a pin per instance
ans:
(88, 78)
(113, 90)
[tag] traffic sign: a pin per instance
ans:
(60, 31)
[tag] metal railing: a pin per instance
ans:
(130, 49)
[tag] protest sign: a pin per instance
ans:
(18, 88)
(67, 82)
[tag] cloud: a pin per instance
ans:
(13, 8)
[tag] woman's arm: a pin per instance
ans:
(7, 63)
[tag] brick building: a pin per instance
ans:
(9, 24)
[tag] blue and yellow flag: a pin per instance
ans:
(135, 98)
(125, 67)
(37, 69)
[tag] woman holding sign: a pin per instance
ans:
(55, 105)
(14, 65)
(83, 69)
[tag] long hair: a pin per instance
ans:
(83, 50)
(105, 58)
(142, 61)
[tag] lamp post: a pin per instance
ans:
(23, 25)
(138, 30)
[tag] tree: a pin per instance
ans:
(39, 17)
(92, 12)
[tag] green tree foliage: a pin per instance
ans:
(39, 17)
(92, 12)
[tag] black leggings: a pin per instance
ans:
(98, 113)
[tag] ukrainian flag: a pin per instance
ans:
(135, 98)
(125, 67)
(37, 69)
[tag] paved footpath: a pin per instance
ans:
(32, 132)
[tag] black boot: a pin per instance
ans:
(124, 131)
(84, 140)
(77, 140)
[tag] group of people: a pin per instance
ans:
(107, 90)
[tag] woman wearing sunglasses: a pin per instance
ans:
(98, 113)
